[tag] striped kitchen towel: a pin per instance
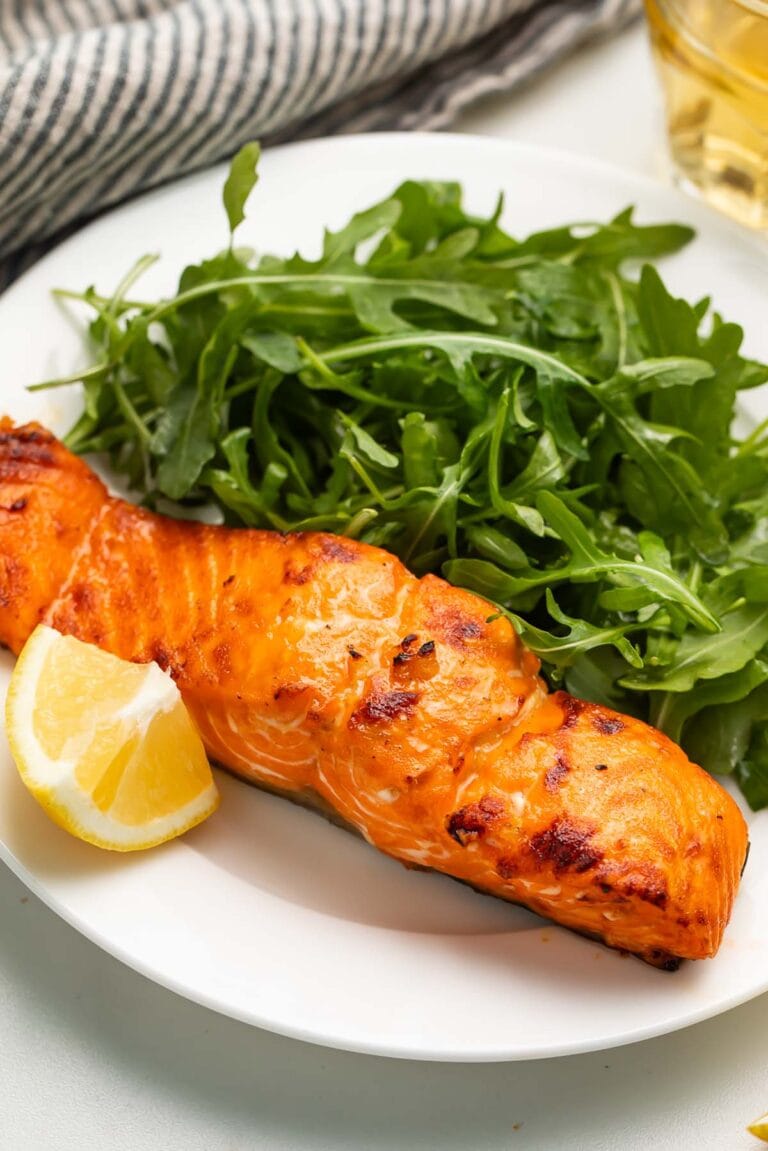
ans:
(100, 99)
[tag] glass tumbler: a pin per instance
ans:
(712, 56)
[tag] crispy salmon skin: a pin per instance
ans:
(319, 666)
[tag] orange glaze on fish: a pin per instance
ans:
(320, 666)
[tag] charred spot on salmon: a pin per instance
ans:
(715, 862)
(334, 549)
(408, 640)
(403, 657)
(383, 706)
(298, 576)
(556, 773)
(452, 625)
(607, 725)
(572, 709)
(354, 654)
(566, 845)
(28, 444)
(289, 691)
(229, 580)
(17, 505)
(160, 654)
(223, 657)
(30, 435)
(82, 596)
(467, 629)
(472, 822)
(655, 894)
(601, 767)
(643, 881)
(664, 960)
(27, 435)
(507, 867)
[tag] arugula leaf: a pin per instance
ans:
(183, 441)
(673, 495)
(277, 349)
(670, 325)
(673, 710)
(743, 634)
(731, 739)
(752, 771)
(240, 182)
(366, 445)
(580, 636)
(588, 561)
(362, 226)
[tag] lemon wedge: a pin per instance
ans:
(106, 747)
(760, 1128)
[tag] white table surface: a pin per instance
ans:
(96, 1058)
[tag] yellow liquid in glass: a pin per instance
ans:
(713, 59)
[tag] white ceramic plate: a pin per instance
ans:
(267, 913)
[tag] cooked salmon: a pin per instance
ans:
(321, 668)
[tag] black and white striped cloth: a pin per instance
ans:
(100, 99)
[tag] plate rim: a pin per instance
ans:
(342, 1042)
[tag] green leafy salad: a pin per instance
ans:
(538, 420)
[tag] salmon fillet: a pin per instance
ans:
(321, 668)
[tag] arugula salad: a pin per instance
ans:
(538, 420)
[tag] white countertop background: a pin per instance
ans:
(94, 1057)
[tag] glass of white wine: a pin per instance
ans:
(712, 56)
